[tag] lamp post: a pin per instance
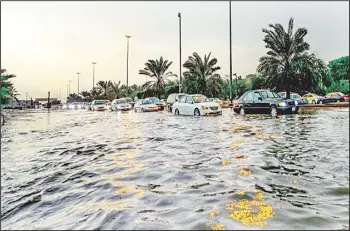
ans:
(179, 15)
(127, 60)
(231, 58)
(235, 74)
(93, 74)
(67, 92)
(78, 73)
(69, 86)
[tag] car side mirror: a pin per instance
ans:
(260, 98)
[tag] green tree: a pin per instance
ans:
(158, 72)
(339, 68)
(287, 62)
(201, 76)
(115, 91)
(104, 87)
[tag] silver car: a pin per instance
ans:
(120, 105)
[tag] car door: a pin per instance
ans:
(189, 106)
(182, 105)
(258, 104)
(248, 102)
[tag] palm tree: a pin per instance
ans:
(201, 75)
(115, 91)
(286, 52)
(96, 93)
(85, 94)
(158, 72)
(104, 86)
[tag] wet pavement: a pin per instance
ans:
(113, 170)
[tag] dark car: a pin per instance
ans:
(333, 97)
(157, 102)
(172, 98)
(264, 102)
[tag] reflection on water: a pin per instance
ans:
(102, 170)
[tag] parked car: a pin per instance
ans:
(196, 105)
(120, 105)
(312, 98)
(98, 105)
(129, 101)
(145, 105)
(264, 102)
(218, 101)
(346, 98)
(157, 102)
(333, 97)
(172, 98)
(294, 96)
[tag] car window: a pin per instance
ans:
(182, 99)
(256, 96)
(249, 96)
(340, 94)
(189, 99)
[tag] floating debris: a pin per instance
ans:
(214, 213)
(244, 171)
(225, 162)
(240, 156)
(251, 212)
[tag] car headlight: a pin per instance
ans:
(282, 104)
(296, 102)
(204, 107)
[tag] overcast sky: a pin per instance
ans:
(46, 43)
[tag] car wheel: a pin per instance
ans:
(313, 102)
(241, 111)
(196, 112)
(321, 102)
(273, 111)
(177, 112)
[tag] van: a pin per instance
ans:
(172, 98)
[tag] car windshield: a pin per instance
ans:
(154, 99)
(120, 101)
(128, 100)
(147, 101)
(100, 102)
(269, 94)
(340, 94)
(200, 99)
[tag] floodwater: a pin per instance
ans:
(108, 170)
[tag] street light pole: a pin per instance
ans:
(231, 57)
(179, 15)
(235, 74)
(67, 91)
(93, 74)
(69, 86)
(78, 73)
(127, 61)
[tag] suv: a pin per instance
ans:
(172, 98)
(264, 102)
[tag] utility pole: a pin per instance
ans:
(179, 15)
(231, 59)
(67, 91)
(78, 73)
(127, 61)
(60, 95)
(93, 74)
(69, 86)
(235, 74)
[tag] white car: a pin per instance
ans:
(145, 105)
(98, 105)
(120, 105)
(196, 105)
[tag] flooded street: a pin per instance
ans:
(108, 170)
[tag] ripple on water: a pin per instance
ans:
(158, 171)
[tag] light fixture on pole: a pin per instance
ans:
(127, 61)
(179, 15)
(93, 74)
(78, 73)
(231, 95)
